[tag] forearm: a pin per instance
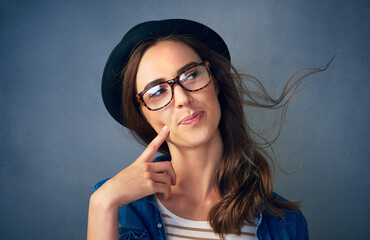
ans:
(102, 220)
(142, 178)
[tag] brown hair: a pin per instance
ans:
(243, 178)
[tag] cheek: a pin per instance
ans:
(157, 119)
(214, 105)
(212, 98)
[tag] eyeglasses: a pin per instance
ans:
(193, 79)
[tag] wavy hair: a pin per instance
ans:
(244, 176)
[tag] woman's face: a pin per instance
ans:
(192, 117)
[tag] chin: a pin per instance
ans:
(192, 138)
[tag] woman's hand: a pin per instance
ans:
(140, 179)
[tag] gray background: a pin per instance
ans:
(57, 140)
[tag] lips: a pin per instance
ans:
(191, 119)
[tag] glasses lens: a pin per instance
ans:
(158, 96)
(195, 78)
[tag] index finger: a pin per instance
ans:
(152, 148)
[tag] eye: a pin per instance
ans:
(192, 75)
(157, 91)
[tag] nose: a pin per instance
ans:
(181, 97)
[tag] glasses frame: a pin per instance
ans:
(172, 82)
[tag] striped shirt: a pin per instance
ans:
(178, 228)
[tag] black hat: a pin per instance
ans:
(112, 79)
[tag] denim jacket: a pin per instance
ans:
(142, 219)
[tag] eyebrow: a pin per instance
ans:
(179, 71)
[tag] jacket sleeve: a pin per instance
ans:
(99, 184)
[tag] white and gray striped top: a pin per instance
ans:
(178, 228)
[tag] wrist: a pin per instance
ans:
(102, 201)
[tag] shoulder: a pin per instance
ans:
(292, 226)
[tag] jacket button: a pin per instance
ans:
(159, 225)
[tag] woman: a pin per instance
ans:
(172, 84)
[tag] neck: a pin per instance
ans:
(195, 167)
